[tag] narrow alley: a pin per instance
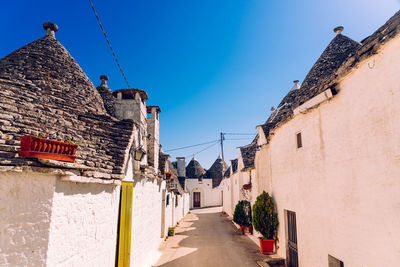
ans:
(206, 237)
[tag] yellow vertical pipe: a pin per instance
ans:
(125, 228)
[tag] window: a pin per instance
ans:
(176, 201)
(167, 200)
(333, 262)
(299, 141)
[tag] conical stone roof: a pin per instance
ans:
(338, 50)
(194, 169)
(44, 93)
(216, 172)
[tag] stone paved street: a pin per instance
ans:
(206, 237)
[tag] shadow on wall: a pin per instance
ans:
(211, 239)
(26, 203)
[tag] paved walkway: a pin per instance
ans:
(206, 237)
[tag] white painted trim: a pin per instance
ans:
(316, 100)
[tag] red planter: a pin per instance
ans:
(242, 229)
(266, 245)
(40, 148)
(247, 186)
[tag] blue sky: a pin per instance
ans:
(211, 65)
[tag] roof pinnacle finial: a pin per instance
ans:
(338, 30)
(104, 79)
(50, 28)
(296, 85)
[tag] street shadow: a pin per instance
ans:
(212, 240)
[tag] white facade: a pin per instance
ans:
(208, 196)
(46, 221)
(343, 182)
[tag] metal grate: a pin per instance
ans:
(292, 239)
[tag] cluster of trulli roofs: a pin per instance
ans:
(329, 155)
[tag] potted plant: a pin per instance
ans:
(242, 215)
(265, 220)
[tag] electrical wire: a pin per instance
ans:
(239, 138)
(238, 134)
(109, 44)
(210, 146)
(179, 148)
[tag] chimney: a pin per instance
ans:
(50, 28)
(104, 79)
(106, 95)
(181, 166)
(338, 30)
(295, 85)
(153, 130)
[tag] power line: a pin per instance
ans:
(210, 146)
(238, 134)
(179, 148)
(239, 138)
(109, 44)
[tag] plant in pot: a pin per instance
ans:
(242, 215)
(265, 220)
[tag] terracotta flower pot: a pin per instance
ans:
(266, 245)
(242, 227)
(250, 229)
(41, 148)
(247, 186)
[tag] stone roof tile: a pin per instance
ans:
(44, 93)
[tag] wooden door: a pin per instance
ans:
(196, 199)
(291, 231)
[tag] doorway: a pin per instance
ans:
(291, 238)
(196, 199)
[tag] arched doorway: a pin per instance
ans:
(196, 199)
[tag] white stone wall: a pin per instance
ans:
(208, 196)
(226, 188)
(25, 206)
(84, 225)
(146, 222)
(45, 221)
(344, 182)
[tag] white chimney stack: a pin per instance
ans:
(296, 85)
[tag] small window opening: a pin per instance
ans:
(167, 200)
(176, 201)
(299, 141)
(333, 262)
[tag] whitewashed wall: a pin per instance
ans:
(344, 182)
(146, 221)
(226, 188)
(209, 196)
(45, 221)
(84, 224)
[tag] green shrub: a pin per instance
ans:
(265, 218)
(242, 214)
(171, 231)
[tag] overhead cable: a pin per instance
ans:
(109, 44)
(208, 147)
(179, 148)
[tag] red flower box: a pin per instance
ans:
(168, 175)
(247, 186)
(41, 148)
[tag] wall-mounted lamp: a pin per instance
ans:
(139, 153)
